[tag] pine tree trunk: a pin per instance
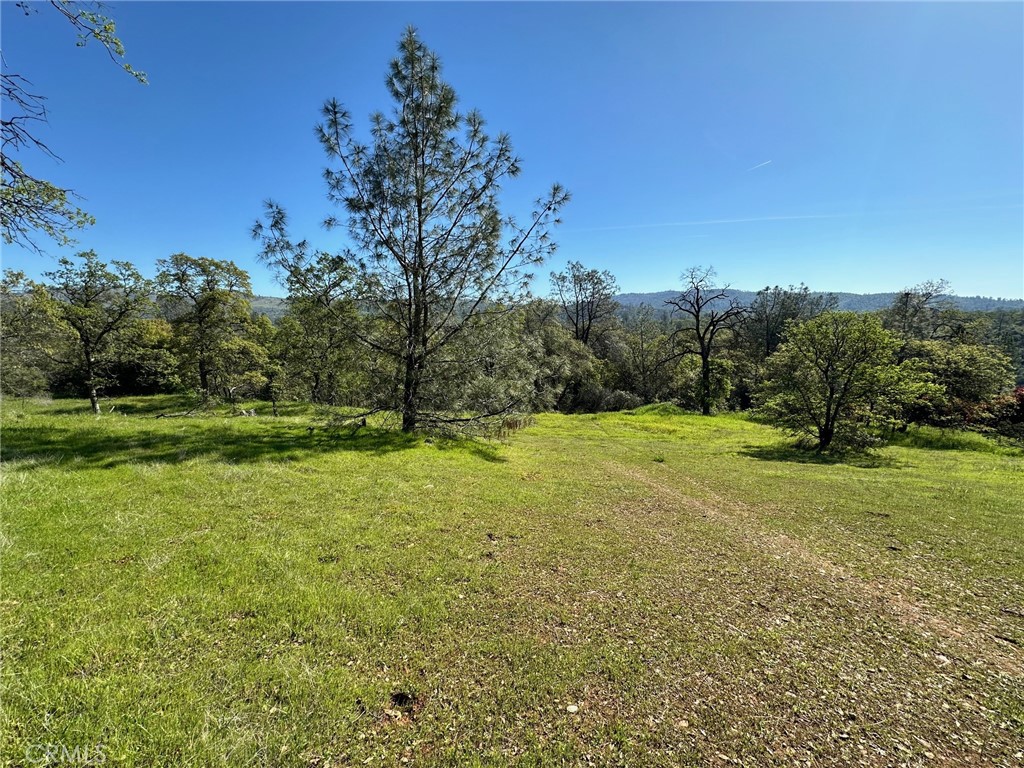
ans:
(410, 395)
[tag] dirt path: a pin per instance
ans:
(757, 650)
(973, 642)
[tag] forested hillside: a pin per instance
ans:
(853, 302)
(275, 308)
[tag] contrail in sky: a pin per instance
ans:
(715, 221)
(799, 217)
(759, 165)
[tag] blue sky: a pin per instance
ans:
(854, 147)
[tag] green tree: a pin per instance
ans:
(651, 354)
(244, 368)
(691, 390)
(764, 324)
(709, 314)
(29, 204)
(100, 302)
(317, 343)
(32, 337)
(968, 376)
(920, 313)
(835, 376)
(437, 260)
(207, 303)
(762, 329)
(144, 359)
(1004, 328)
(562, 362)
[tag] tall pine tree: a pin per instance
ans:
(436, 259)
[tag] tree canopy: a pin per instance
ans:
(98, 301)
(436, 260)
(835, 375)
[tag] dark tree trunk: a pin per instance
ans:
(827, 430)
(316, 395)
(705, 385)
(204, 377)
(410, 394)
(331, 389)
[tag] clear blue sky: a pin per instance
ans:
(854, 147)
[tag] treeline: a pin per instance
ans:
(854, 302)
(95, 329)
(426, 316)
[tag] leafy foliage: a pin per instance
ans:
(968, 376)
(32, 337)
(100, 303)
(437, 261)
(835, 376)
(218, 342)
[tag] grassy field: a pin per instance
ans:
(640, 589)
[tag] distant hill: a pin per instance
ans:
(855, 302)
(271, 306)
(275, 307)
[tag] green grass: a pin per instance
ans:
(216, 590)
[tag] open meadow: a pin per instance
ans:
(638, 588)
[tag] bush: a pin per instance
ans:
(1006, 415)
(618, 400)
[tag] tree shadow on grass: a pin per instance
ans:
(156, 405)
(933, 439)
(93, 445)
(796, 454)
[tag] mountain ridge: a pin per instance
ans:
(856, 302)
(275, 307)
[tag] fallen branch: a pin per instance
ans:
(357, 420)
(177, 415)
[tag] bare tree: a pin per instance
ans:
(709, 312)
(587, 298)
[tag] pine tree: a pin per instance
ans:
(436, 259)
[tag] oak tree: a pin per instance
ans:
(99, 302)
(708, 313)
(835, 376)
(207, 303)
